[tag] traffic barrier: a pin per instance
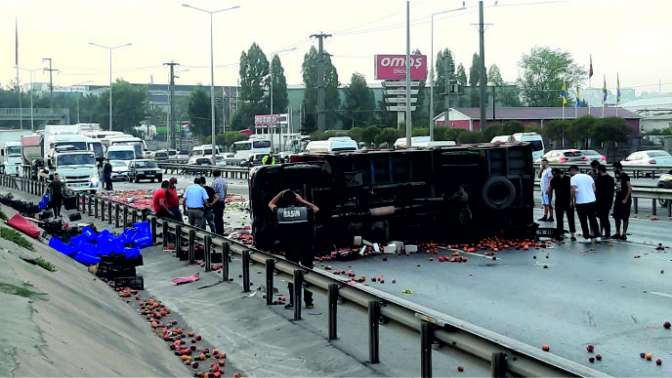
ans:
(635, 171)
(227, 172)
(432, 326)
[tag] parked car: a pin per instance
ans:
(665, 182)
(119, 170)
(569, 156)
(591, 155)
(226, 158)
(253, 160)
(160, 155)
(652, 157)
(144, 169)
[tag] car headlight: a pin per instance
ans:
(94, 181)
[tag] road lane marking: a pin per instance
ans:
(660, 294)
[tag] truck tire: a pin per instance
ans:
(498, 193)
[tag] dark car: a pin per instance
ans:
(144, 170)
(161, 155)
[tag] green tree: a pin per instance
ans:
(280, 99)
(555, 131)
(580, 131)
(370, 134)
(129, 105)
(386, 118)
(229, 138)
(494, 76)
(387, 136)
(445, 73)
(508, 95)
(254, 84)
(311, 62)
(359, 103)
(475, 80)
(199, 112)
(607, 132)
(544, 71)
(461, 76)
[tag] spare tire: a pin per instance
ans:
(498, 193)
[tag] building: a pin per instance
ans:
(469, 118)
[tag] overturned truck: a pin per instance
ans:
(448, 194)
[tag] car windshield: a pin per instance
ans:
(536, 145)
(172, 153)
(146, 164)
(572, 153)
(658, 154)
(118, 163)
(261, 144)
(161, 154)
(590, 152)
(120, 155)
(246, 146)
(14, 151)
(79, 146)
(97, 149)
(75, 159)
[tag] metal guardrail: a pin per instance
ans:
(227, 172)
(504, 356)
(636, 171)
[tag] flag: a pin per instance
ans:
(604, 90)
(618, 89)
(563, 93)
(590, 68)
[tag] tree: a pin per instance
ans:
(359, 103)
(494, 76)
(543, 73)
(445, 73)
(254, 83)
(280, 98)
(607, 132)
(129, 105)
(199, 111)
(461, 76)
(555, 131)
(580, 130)
(311, 63)
(475, 80)
(387, 136)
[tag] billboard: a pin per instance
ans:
(393, 67)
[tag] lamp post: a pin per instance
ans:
(273, 54)
(212, 73)
(110, 48)
(431, 74)
(32, 117)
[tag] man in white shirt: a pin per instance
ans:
(545, 174)
(585, 202)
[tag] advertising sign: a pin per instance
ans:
(265, 120)
(393, 67)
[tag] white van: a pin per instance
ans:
(245, 148)
(199, 154)
(423, 142)
(138, 144)
(333, 144)
(535, 140)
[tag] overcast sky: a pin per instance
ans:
(631, 37)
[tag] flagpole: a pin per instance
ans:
(576, 103)
(590, 79)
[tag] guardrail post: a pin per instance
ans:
(96, 207)
(653, 206)
(134, 215)
(225, 261)
(635, 202)
(374, 341)
(164, 233)
(498, 366)
(109, 212)
(270, 269)
(246, 271)
(192, 245)
(116, 216)
(153, 225)
(669, 208)
(298, 293)
(207, 243)
(102, 209)
(178, 242)
(426, 339)
(89, 209)
(333, 307)
(125, 215)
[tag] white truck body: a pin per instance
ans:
(77, 169)
(10, 150)
(255, 145)
(127, 140)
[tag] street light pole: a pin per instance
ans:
(110, 48)
(431, 70)
(212, 74)
(78, 95)
(32, 114)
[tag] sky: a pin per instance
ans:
(628, 37)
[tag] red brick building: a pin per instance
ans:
(469, 118)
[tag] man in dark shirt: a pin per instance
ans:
(296, 235)
(622, 201)
(55, 190)
(208, 212)
(560, 184)
(605, 196)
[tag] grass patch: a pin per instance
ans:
(44, 264)
(21, 291)
(15, 237)
(3, 216)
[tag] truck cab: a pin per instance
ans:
(77, 169)
(10, 155)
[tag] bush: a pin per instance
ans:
(15, 237)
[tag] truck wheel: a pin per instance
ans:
(498, 193)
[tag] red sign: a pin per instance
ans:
(393, 67)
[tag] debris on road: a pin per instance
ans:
(546, 348)
(667, 325)
(183, 280)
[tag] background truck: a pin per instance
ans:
(10, 150)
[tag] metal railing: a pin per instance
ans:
(227, 172)
(636, 171)
(504, 356)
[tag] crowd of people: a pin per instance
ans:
(594, 197)
(203, 204)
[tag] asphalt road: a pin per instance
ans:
(235, 186)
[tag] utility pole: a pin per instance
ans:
(483, 81)
(51, 82)
(409, 123)
(321, 121)
(171, 115)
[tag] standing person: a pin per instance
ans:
(195, 198)
(545, 175)
(55, 190)
(605, 197)
(159, 203)
(107, 174)
(560, 184)
(220, 187)
(208, 213)
(594, 173)
(294, 217)
(584, 200)
(622, 201)
(173, 200)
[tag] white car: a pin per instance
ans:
(652, 157)
(592, 155)
(119, 169)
